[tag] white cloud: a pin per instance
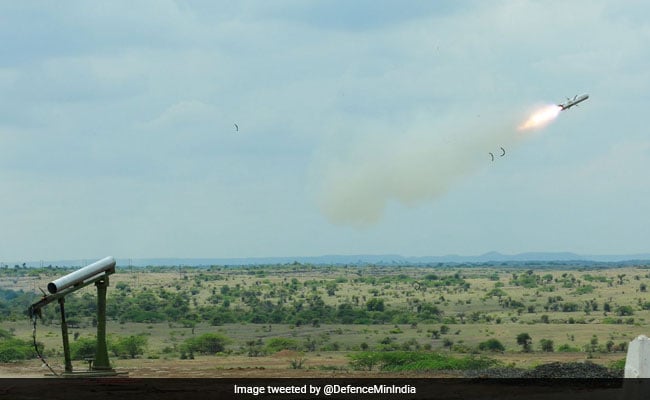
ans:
(147, 98)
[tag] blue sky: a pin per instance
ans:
(364, 128)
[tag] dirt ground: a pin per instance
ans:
(203, 369)
(278, 366)
(274, 366)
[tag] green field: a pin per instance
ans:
(326, 313)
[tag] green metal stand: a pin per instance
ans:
(64, 335)
(102, 366)
(101, 353)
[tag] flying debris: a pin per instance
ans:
(503, 151)
(236, 128)
(573, 102)
(491, 155)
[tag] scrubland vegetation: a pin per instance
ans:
(374, 317)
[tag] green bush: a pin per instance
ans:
(618, 366)
(208, 343)
(15, 349)
(566, 348)
(417, 361)
(375, 305)
(586, 289)
(546, 345)
(624, 311)
(82, 348)
(610, 320)
(130, 346)
(491, 345)
(279, 343)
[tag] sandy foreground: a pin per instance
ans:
(278, 367)
(200, 368)
(274, 366)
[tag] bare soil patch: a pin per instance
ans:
(275, 366)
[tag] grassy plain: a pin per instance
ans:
(469, 314)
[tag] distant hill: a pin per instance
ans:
(362, 259)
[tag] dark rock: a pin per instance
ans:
(572, 370)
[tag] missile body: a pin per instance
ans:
(573, 102)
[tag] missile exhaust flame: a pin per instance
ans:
(419, 166)
(541, 118)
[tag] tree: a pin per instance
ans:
(593, 344)
(208, 343)
(547, 345)
(331, 288)
(624, 311)
(491, 345)
(131, 346)
(375, 304)
(525, 341)
(255, 347)
(82, 348)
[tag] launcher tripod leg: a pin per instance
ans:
(64, 336)
(101, 353)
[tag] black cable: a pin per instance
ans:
(38, 353)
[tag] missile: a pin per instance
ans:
(573, 102)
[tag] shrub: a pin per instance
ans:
(491, 345)
(525, 341)
(461, 348)
(546, 345)
(566, 348)
(16, 349)
(130, 346)
(417, 361)
(296, 363)
(82, 348)
(618, 366)
(366, 360)
(375, 305)
(279, 343)
(570, 307)
(624, 311)
(584, 289)
(12, 349)
(208, 343)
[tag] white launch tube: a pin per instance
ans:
(80, 275)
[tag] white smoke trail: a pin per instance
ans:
(415, 168)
